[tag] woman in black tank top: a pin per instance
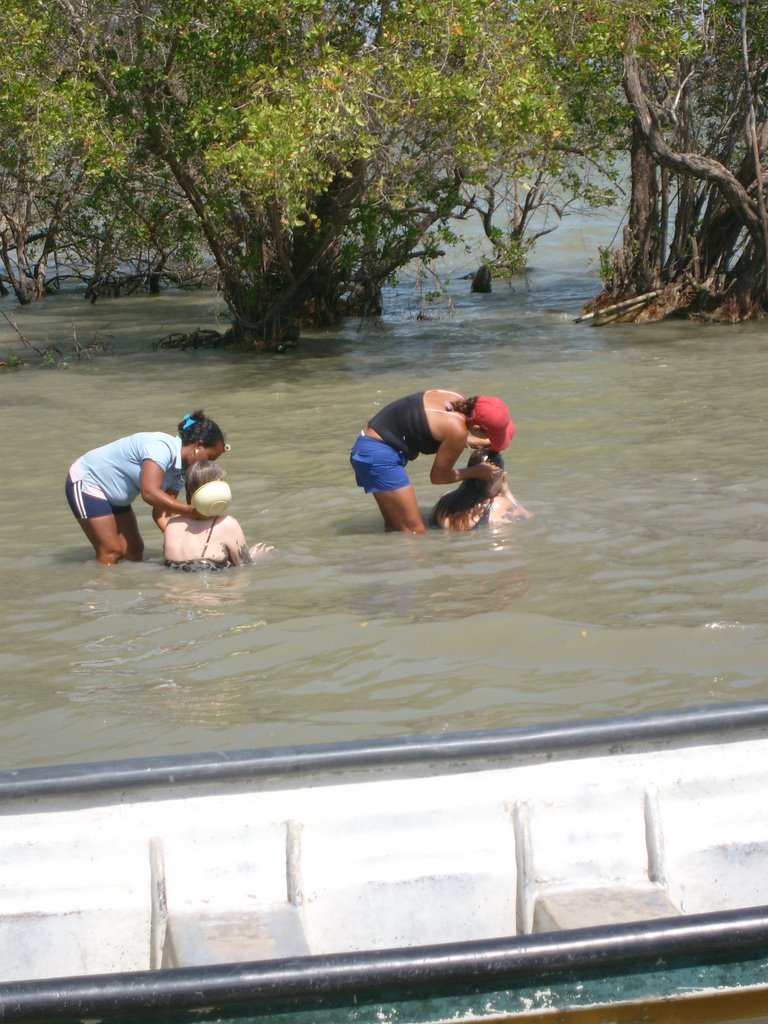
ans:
(434, 422)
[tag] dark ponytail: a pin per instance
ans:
(466, 406)
(195, 428)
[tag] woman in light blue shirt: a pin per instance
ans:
(102, 484)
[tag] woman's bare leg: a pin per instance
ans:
(400, 510)
(114, 538)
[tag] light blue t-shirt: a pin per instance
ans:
(116, 467)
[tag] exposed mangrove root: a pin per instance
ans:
(199, 338)
(606, 313)
(684, 299)
(234, 336)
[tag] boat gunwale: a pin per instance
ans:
(265, 985)
(480, 749)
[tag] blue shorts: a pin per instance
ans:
(378, 466)
(88, 506)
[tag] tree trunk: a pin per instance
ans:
(715, 267)
(13, 240)
(637, 266)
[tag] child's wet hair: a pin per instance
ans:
(458, 505)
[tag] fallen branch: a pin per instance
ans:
(24, 341)
(619, 307)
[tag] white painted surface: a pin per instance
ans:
(377, 863)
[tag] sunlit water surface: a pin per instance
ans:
(639, 584)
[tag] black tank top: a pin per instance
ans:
(403, 425)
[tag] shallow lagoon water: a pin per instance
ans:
(639, 584)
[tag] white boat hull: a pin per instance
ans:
(487, 854)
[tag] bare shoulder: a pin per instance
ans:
(442, 394)
(175, 524)
(228, 524)
(439, 401)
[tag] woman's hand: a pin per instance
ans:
(260, 549)
(481, 471)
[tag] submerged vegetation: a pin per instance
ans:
(299, 153)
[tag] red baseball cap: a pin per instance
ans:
(492, 416)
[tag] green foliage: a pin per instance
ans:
(284, 135)
(510, 255)
(308, 147)
(45, 112)
(606, 264)
(697, 206)
(11, 364)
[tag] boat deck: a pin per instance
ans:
(183, 876)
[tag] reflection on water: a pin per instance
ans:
(639, 583)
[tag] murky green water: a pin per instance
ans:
(640, 584)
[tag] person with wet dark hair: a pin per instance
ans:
(102, 484)
(434, 422)
(197, 429)
(476, 502)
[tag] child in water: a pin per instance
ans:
(216, 542)
(476, 502)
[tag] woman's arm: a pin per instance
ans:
(234, 542)
(238, 551)
(506, 508)
(151, 490)
(514, 508)
(161, 517)
(443, 471)
(451, 431)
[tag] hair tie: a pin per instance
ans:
(188, 422)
